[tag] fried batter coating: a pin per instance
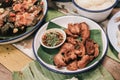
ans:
(70, 56)
(84, 61)
(89, 46)
(80, 49)
(74, 28)
(66, 47)
(59, 60)
(71, 40)
(72, 66)
(85, 32)
(92, 48)
(70, 34)
(96, 53)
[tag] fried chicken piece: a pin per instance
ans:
(74, 28)
(66, 47)
(70, 56)
(72, 66)
(70, 34)
(84, 61)
(80, 49)
(89, 46)
(59, 60)
(92, 48)
(96, 53)
(71, 40)
(85, 32)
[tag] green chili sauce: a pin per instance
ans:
(52, 39)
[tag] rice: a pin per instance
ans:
(95, 4)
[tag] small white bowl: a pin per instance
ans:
(96, 15)
(60, 31)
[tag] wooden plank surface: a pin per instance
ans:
(12, 58)
(5, 74)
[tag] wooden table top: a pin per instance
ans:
(12, 59)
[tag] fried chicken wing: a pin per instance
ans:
(70, 56)
(80, 49)
(70, 34)
(96, 53)
(84, 61)
(74, 28)
(72, 66)
(85, 32)
(71, 40)
(59, 60)
(89, 46)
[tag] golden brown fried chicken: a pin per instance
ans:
(70, 56)
(75, 53)
(71, 40)
(70, 34)
(66, 47)
(72, 66)
(59, 60)
(79, 49)
(96, 53)
(85, 32)
(89, 46)
(84, 61)
(74, 28)
(92, 48)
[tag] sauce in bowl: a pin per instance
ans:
(53, 38)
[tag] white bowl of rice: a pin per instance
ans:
(97, 10)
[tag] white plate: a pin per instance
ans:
(63, 21)
(112, 29)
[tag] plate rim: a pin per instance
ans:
(109, 35)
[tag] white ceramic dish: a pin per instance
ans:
(112, 29)
(96, 15)
(22, 36)
(53, 30)
(63, 21)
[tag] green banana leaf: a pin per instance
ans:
(34, 71)
(112, 53)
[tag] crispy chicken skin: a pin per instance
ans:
(92, 48)
(66, 47)
(96, 53)
(72, 66)
(70, 34)
(89, 46)
(85, 32)
(80, 49)
(74, 28)
(71, 40)
(59, 60)
(75, 53)
(70, 56)
(84, 61)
